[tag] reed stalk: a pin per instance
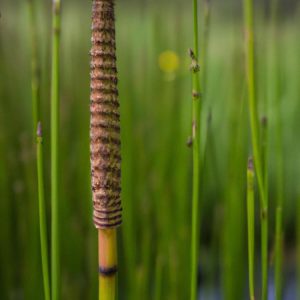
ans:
(35, 79)
(55, 263)
(37, 129)
(279, 156)
(196, 95)
(251, 222)
(205, 45)
(107, 239)
(42, 213)
(105, 143)
(254, 124)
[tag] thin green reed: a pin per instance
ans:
(251, 224)
(55, 264)
(254, 124)
(196, 95)
(204, 48)
(35, 80)
(42, 212)
(35, 98)
(279, 154)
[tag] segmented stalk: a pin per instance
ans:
(196, 94)
(105, 143)
(37, 129)
(55, 264)
(251, 222)
(254, 124)
(35, 80)
(279, 156)
(42, 213)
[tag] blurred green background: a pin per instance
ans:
(155, 93)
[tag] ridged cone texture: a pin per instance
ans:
(105, 119)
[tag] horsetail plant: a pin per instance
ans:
(196, 94)
(105, 152)
(55, 265)
(37, 129)
(35, 80)
(42, 213)
(251, 222)
(279, 157)
(206, 33)
(254, 124)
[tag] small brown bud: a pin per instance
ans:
(39, 131)
(189, 142)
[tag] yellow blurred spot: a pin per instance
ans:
(168, 61)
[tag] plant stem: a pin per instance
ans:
(105, 150)
(55, 265)
(254, 124)
(42, 213)
(251, 222)
(196, 93)
(279, 155)
(206, 32)
(37, 129)
(35, 80)
(107, 263)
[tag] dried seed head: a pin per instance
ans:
(105, 119)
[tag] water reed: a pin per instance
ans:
(37, 129)
(42, 212)
(251, 225)
(196, 97)
(255, 137)
(55, 75)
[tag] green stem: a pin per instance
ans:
(55, 268)
(206, 31)
(254, 124)
(35, 80)
(279, 156)
(107, 247)
(250, 215)
(42, 213)
(37, 129)
(196, 93)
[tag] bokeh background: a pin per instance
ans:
(155, 93)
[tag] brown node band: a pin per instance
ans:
(107, 272)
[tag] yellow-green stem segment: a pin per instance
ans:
(254, 124)
(55, 269)
(42, 213)
(196, 94)
(250, 219)
(107, 239)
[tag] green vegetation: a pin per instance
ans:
(195, 140)
(154, 242)
(55, 109)
(251, 226)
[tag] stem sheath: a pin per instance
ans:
(107, 263)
